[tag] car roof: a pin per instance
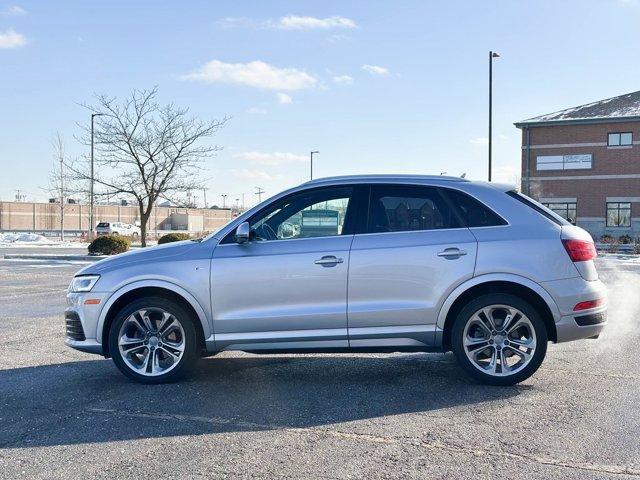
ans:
(381, 178)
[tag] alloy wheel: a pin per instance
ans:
(151, 341)
(499, 340)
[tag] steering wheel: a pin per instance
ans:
(265, 232)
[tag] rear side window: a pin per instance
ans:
(406, 208)
(103, 224)
(538, 207)
(474, 213)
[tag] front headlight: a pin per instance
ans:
(83, 283)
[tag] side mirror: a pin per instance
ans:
(242, 232)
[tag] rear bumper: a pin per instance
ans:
(577, 327)
(567, 294)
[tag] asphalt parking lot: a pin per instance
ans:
(65, 414)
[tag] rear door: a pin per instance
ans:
(414, 252)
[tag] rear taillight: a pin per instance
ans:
(580, 250)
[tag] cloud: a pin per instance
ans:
(337, 37)
(295, 22)
(284, 99)
(343, 79)
(13, 11)
(375, 69)
(271, 159)
(248, 174)
(257, 110)
(627, 3)
(480, 141)
(236, 22)
(256, 74)
(12, 39)
(506, 174)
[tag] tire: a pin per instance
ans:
(481, 351)
(167, 331)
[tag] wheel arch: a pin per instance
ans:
(133, 291)
(513, 284)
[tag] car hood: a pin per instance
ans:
(141, 255)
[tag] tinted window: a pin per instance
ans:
(313, 213)
(538, 207)
(473, 212)
(402, 208)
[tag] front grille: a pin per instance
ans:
(74, 326)
(592, 319)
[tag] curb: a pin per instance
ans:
(60, 257)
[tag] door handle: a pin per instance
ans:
(328, 261)
(452, 253)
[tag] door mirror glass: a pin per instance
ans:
(242, 232)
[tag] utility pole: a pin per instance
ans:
(204, 194)
(224, 200)
(492, 55)
(93, 115)
(259, 192)
(243, 202)
(311, 165)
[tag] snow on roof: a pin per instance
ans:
(622, 106)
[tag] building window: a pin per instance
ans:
(567, 211)
(564, 162)
(618, 214)
(620, 139)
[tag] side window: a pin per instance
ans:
(316, 213)
(405, 208)
(474, 213)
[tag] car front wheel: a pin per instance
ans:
(499, 339)
(153, 340)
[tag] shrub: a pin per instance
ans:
(625, 239)
(636, 248)
(614, 246)
(109, 245)
(606, 238)
(173, 237)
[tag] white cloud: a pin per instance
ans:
(235, 22)
(506, 174)
(256, 74)
(296, 22)
(13, 11)
(248, 174)
(628, 2)
(480, 141)
(257, 110)
(284, 99)
(12, 39)
(337, 37)
(343, 79)
(375, 69)
(271, 158)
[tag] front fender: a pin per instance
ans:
(496, 277)
(207, 327)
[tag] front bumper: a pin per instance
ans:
(582, 324)
(81, 321)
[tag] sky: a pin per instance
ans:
(375, 87)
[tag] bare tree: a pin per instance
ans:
(147, 151)
(62, 183)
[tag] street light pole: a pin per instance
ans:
(91, 202)
(224, 200)
(312, 153)
(492, 55)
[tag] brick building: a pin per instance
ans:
(584, 163)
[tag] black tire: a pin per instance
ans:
(457, 334)
(189, 356)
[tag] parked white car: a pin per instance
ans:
(108, 228)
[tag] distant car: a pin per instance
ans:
(125, 229)
(352, 264)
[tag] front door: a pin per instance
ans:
(287, 287)
(414, 250)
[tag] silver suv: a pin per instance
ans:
(352, 264)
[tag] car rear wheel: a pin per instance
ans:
(499, 339)
(153, 340)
